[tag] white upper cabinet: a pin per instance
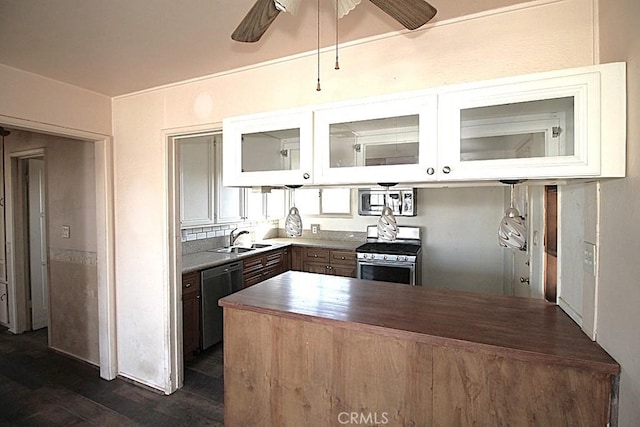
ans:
(196, 154)
(552, 125)
(380, 140)
(268, 149)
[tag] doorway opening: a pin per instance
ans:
(63, 283)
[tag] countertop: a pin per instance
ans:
(202, 260)
(522, 328)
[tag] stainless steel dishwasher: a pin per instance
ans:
(216, 282)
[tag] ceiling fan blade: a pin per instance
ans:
(412, 14)
(256, 22)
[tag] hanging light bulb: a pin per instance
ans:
(293, 222)
(512, 232)
(387, 225)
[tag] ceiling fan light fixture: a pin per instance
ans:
(343, 7)
(290, 6)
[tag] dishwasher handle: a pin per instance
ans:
(221, 270)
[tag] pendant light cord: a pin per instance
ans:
(318, 88)
(337, 66)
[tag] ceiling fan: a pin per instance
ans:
(412, 14)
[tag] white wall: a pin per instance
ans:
(543, 36)
(34, 98)
(618, 316)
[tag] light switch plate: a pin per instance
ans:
(589, 258)
(66, 231)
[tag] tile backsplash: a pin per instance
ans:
(203, 238)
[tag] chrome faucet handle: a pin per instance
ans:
(232, 238)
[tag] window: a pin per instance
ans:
(323, 201)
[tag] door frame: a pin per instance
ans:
(103, 149)
(170, 135)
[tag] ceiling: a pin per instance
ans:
(114, 47)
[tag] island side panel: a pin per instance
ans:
(288, 372)
(472, 388)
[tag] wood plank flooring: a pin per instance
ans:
(39, 387)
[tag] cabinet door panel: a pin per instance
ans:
(311, 267)
(268, 149)
(190, 314)
(196, 180)
(537, 126)
(362, 141)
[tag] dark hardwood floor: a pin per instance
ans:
(39, 387)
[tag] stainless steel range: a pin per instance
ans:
(399, 261)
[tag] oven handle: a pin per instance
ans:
(411, 265)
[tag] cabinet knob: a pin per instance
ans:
(306, 175)
(198, 297)
(431, 171)
(188, 285)
(446, 169)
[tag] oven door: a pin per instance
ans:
(387, 272)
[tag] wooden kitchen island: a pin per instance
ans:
(302, 349)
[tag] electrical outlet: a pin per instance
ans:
(315, 228)
(589, 258)
(66, 232)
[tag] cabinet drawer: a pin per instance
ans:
(249, 265)
(273, 258)
(191, 282)
(316, 254)
(343, 257)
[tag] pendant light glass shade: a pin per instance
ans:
(293, 222)
(512, 232)
(387, 225)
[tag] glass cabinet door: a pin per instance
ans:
(371, 142)
(542, 128)
(268, 149)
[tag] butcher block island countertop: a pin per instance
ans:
(306, 349)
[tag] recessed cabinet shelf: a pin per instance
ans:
(552, 125)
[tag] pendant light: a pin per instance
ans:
(293, 222)
(387, 225)
(512, 232)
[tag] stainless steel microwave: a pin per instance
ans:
(401, 200)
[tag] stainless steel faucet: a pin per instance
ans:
(233, 236)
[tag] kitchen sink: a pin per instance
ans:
(231, 250)
(260, 245)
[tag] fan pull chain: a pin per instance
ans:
(337, 67)
(318, 86)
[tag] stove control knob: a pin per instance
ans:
(400, 258)
(384, 257)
